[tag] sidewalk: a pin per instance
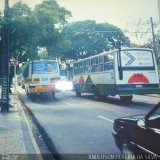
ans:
(16, 141)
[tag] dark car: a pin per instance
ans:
(139, 135)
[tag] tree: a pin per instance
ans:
(89, 38)
(51, 19)
(23, 32)
(34, 29)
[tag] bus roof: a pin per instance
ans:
(42, 60)
(111, 51)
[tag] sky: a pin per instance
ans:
(117, 12)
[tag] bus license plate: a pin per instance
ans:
(44, 81)
(139, 86)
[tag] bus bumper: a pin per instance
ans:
(138, 89)
(41, 89)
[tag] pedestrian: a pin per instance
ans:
(11, 75)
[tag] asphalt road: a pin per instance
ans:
(84, 125)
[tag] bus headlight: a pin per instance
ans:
(64, 85)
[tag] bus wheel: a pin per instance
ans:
(126, 98)
(53, 95)
(96, 96)
(78, 93)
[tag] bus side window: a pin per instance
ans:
(101, 63)
(81, 68)
(108, 62)
(75, 68)
(87, 67)
(86, 70)
(95, 68)
(108, 66)
(94, 63)
(75, 71)
(100, 67)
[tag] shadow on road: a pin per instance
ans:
(117, 101)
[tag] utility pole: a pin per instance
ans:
(154, 39)
(5, 61)
(159, 9)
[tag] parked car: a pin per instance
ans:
(139, 135)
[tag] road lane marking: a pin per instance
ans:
(107, 119)
(70, 104)
(88, 102)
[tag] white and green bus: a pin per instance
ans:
(122, 72)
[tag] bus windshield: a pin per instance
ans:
(44, 67)
(136, 58)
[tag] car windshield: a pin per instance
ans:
(153, 117)
(156, 113)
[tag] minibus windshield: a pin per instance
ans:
(44, 67)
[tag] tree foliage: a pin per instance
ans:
(51, 19)
(22, 32)
(46, 27)
(89, 38)
(34, 29)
